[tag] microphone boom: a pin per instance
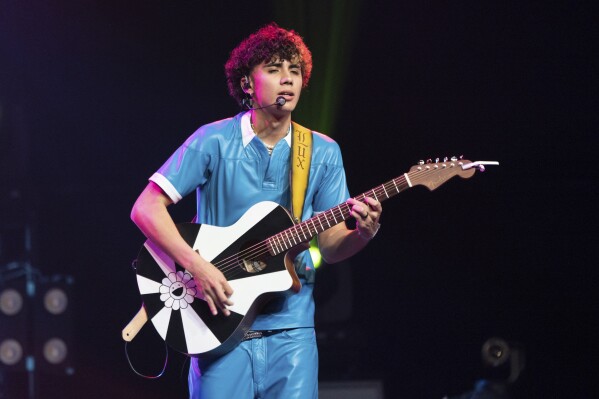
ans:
(279, 102)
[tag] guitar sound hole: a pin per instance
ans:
(254, 261)
(253, 265)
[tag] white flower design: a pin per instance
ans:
(178, 290)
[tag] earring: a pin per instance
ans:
(247, 101)
(247, 84)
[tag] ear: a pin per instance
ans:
(246, 85)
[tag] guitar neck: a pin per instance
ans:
(306, 230)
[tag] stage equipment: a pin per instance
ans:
(503, 363)
(53, 326)
(35, 323)
(371, 389)
(14, 319)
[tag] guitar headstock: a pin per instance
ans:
(434, 174)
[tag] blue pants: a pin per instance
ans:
(283, 365)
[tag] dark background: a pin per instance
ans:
(96, 95)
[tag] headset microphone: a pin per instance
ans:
(279, 102)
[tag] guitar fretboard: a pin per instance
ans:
(304, 231)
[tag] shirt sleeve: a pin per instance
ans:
(185, 170)
(332, 188)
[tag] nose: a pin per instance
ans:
(286, 77)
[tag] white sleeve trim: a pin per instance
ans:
(167, 187)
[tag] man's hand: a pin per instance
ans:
(214, 286)
(367, 215)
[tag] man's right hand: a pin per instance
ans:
(214, 286)
(151, 216)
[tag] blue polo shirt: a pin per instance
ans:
(230, 169)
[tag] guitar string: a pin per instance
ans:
(291, 233)
(288, 236)
(286, 240)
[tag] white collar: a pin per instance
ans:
(247, 133)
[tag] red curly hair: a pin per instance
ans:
(268, 43)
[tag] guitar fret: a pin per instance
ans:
(280, 240)
(287, 240)
(373, 193)
(320, 221)
(301, 225)
(341, 212)
(395, 184)
(327, 219)
(272, 248)
(278, 248)
(408, 179)
(386, 194)
(272, 245)
(313, 225)
(293, 236)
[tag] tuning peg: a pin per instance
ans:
(421, 162)
(454, 159)
(436, 160)
(429, 161)
(445, 159)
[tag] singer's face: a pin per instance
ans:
(274, 79)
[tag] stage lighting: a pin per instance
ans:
(11, 352)
(53, 326)
(495, 352)
(11, 302)
(14, 325)
(56, 301)
(55, 351)
(503, 361)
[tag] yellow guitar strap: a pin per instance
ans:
(301, 155)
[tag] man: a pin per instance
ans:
(233, 164)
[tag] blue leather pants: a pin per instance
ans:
(283, 365)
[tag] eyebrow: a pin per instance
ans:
(279, 64)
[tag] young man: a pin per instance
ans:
(233, 164)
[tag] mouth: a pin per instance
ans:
(287, 94)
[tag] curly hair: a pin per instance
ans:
(268, 43)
